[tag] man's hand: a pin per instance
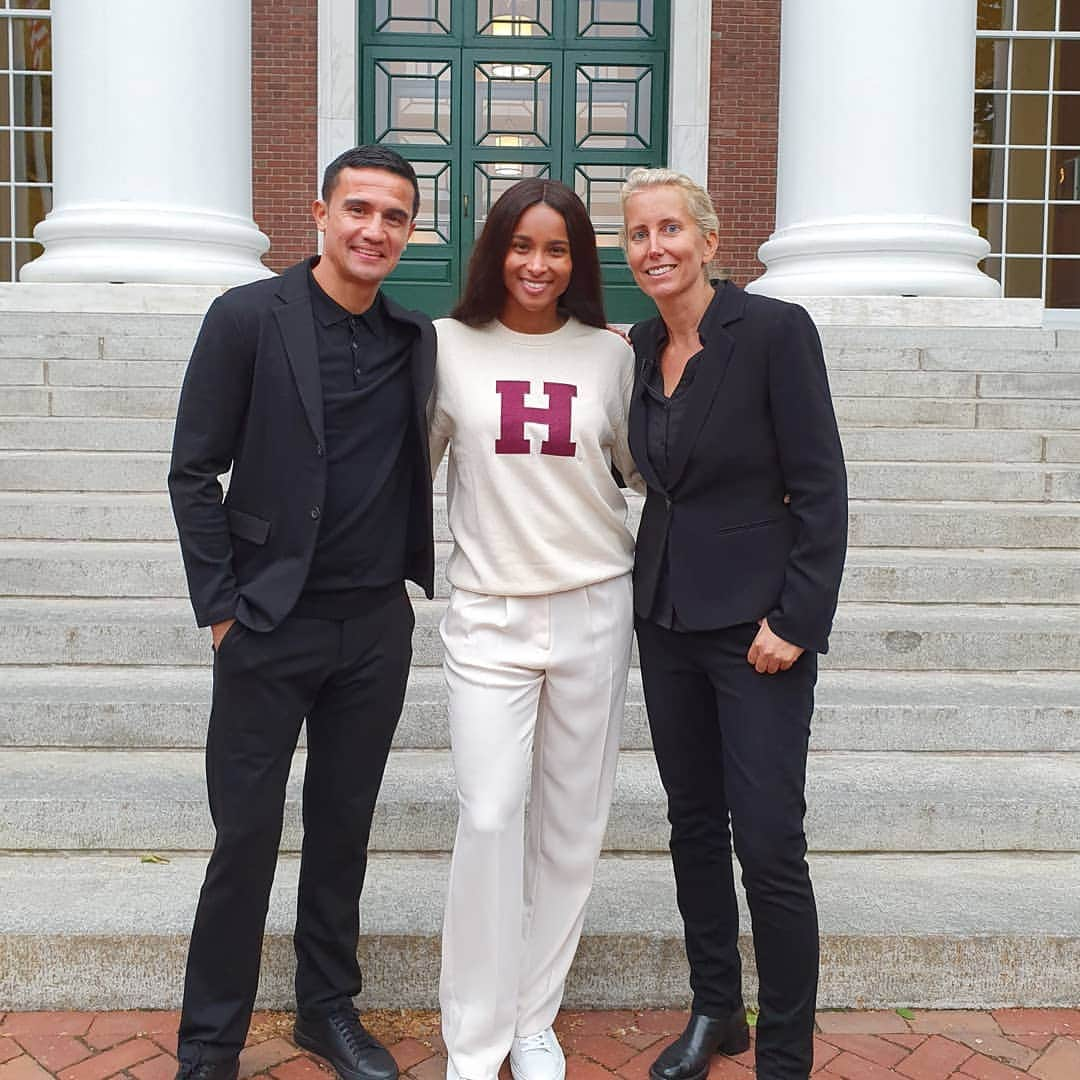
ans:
(219, 629)
(770, 653)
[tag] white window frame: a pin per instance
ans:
(11, 239)
(1048, 147)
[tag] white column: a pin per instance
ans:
(688, 96)
(151, 145)
(874, 169)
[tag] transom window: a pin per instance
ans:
(1026, 176)
(25, 129)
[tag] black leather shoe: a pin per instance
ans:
(209, 1070)
(687, 1058)
(344, 1042)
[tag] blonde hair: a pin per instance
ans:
(699, 203)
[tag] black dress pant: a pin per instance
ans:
(347, 677)
(731, 748)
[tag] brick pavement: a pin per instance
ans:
(881, 1045)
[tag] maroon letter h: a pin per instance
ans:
(515, 413)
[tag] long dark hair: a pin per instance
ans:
(484, 294)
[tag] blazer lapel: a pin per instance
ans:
(717, 346)
(296, 323)
(644, 337)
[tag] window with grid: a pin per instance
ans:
(1026, 177)
(25, 129)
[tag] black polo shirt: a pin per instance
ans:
(367, 393)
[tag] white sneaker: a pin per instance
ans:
(537, 1057)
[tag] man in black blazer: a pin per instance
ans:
(311, 388)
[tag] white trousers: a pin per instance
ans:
(536, 684)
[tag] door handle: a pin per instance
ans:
(465, 206)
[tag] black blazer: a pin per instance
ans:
(759, 426)
(252, 401)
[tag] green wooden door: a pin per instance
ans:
(479, 94)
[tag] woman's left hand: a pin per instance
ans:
(770, 653)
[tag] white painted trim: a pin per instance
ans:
(338, 93)
(688, 84)
(688, 59)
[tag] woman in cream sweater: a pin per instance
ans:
(531, 397)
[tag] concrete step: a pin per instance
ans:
(969, 384)
(87, 433)
(923, 412)
(873, 523)
(1030, 384)
(156, 707)
(871, 637)
(846, 383)
(50, 334)
(90, 334)
(860, 444)
(135, 401)
(956, 524)
(66, 568)
(1034, 361)
(28, 470)
(944, 931)
(21, 372)
(922, 575)
(65, 515)
(118, 374)
(923, 481)
(937, 445)
(125, 800)
(1029, 414)
(1008, 341)
(1063, 448)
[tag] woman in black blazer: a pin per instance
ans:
(739, 558)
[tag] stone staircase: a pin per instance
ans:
(944, 785)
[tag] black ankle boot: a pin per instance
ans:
(687, 1058)
(209, 1070)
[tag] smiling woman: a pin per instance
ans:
(734, 592)
(536, 271)
(531, 396)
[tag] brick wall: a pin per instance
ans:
(743, 128)
(284, 125)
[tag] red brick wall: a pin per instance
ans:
(743, 128)
(284, 125)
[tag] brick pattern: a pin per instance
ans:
(1009, 1044)
(743, 120)
(284, 125)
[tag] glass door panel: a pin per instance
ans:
(413, 105)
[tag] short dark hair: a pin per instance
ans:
(484, 294)
(371, 157)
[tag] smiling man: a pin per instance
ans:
(311, 388)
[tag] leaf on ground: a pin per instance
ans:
(751, 1017)
(150, 857)
(905, 1014)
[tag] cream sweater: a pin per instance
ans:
(532, 502)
